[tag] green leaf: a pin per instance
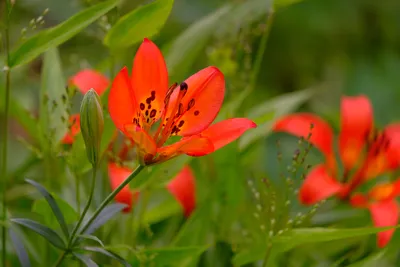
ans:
(57, 35)
(105, 215)
(108, 254)
(93, 238)
(54, 100)
(182, 52)
(85, 260)
(376, 259)
(284, 3)
(142, 22)
(24, 117)
(49, 234)
(174, 256)
(19, 247)
(265, 113)
(296, 237)
(159, 172)
(55, 209)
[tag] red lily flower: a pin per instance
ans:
(360, 147)
(382, 206)
(84, 81)
(138, 101)
(182, 187)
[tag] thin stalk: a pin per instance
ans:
(267, 253)
(111, 196)
(78, 192)
(139, 221)
(261, 50)
(60, 259)
(4, 133)
(85, 210)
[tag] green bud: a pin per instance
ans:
(92, 124)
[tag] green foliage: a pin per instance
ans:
(142, 22)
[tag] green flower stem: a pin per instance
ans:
(60, 259)
(111, 196)
(261, 50)
(85, 210)
(267, 253)
(4, 133)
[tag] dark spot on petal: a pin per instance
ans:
(181, 123)
(148, 100)
(149, 107)
(180, 109)
(147, 113)
(148, 120)
(183, 86)
(153, 94)
(196, 112)
(191, 104)
(153, 113)
(142, 106)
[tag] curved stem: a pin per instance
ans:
(85, 210)
(60, 259)
(261, 49)
(267, 253)
(111, 196)
(4, 133)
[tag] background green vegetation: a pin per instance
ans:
(314, 52)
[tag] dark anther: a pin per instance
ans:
(196, 112)
(181, 123)
(183, 86)
(191, 104)
(142, 106)
(153, 113)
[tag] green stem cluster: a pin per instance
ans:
(4, 132)
(109, 198)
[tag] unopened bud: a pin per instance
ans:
(92, 124)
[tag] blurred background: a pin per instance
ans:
(314, 52)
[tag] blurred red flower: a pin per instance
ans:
(364, 152)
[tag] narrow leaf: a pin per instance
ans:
(142, 22)
(42, 230)
(85, 260)
(20, 250)
(54, 100)
(93, 238)
(182, 52)
(53, 205)
(57, 35)
(106, 215)
(108, 254)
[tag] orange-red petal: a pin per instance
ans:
(359, 200)
(75, 128)
(182, 187)
(224, 132)
(88, 79)
(202, 102)
(121, 101)
(392, 152)
(142, 139)
(194, 146)
(384, 214)
(117, 175)
(318, 185)
(356, 125)
(304, 124)
(149, 80)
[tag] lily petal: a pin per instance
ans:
(356, 125)
(121, 101)
(142, 139)
(202, 102)
(149, 80)
(304, 124)
(358, 200)
(69, 137)
(194, 146)
(224, 132)
(88, 79)
(392, 153)
(318, 185)
(117, 176)
(182, 187)
(385, 213)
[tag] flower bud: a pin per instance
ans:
(92, 124)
